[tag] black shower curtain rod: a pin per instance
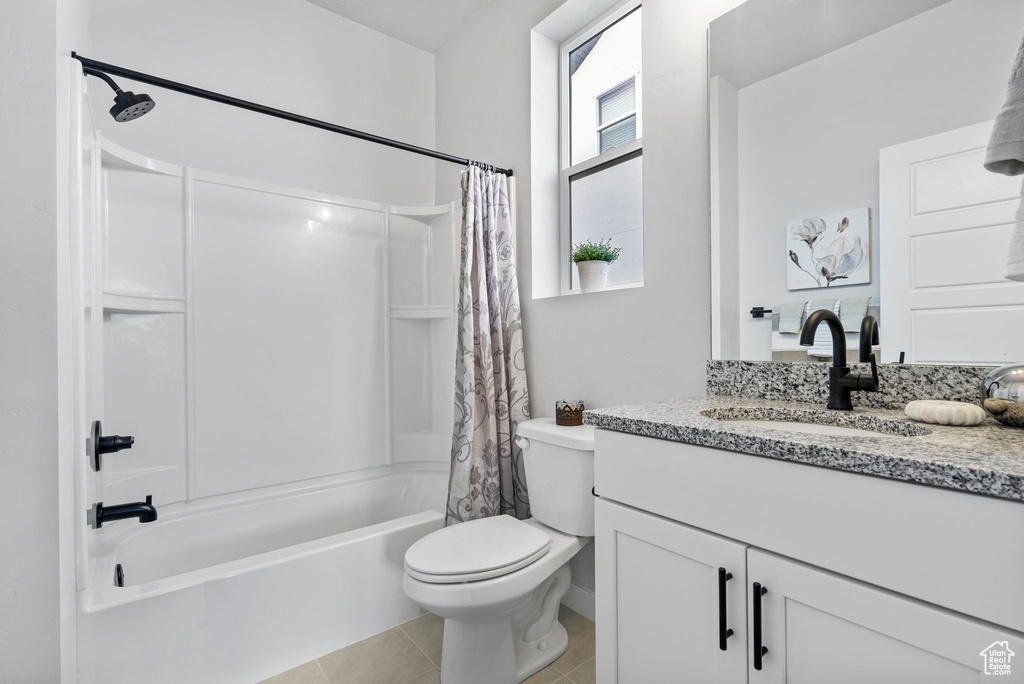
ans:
(91, 65)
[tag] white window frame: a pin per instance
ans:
(609, 158)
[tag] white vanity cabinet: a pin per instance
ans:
(821, 627)
(865, 579)
(664, 587)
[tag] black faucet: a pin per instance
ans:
(145, 512)
(841, 382)
(868, 338)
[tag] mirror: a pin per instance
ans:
(847, 140)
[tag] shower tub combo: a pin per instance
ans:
(284, 360)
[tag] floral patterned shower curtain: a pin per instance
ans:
(491, 398)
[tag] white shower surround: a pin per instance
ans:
(257, 334)
(237, 589)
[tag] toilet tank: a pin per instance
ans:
(559, 462)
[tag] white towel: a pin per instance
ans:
(1006, 147)
(791, 317)
(852, 311)
(823, 336)
(1006, 155)
(1015, 263)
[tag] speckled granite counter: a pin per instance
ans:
(985, 459)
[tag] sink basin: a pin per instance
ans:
(831, 423)
(806, 428)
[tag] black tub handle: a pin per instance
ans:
(99, 444)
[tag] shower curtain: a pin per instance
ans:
(491, 397)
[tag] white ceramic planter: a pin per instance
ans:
(593, 275)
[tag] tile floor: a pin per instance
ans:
(411, 654)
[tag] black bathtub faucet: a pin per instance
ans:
(841, 382)
(145, 512)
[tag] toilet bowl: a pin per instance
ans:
(498, 581)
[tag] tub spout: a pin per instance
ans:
(145, 512)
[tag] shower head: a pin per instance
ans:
(127, 105)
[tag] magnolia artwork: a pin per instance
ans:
(829, 251)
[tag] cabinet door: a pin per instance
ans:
(658, 601)
(820, 627)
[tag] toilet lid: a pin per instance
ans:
(477, 548)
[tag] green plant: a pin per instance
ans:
(595, 251)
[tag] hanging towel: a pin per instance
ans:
(1006, 147)
(1015, 263)
(791, 317)
(822, 337)
(852, 311)
(1006, 155)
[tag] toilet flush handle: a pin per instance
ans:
(523, 442)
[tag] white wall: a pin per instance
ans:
(29, 587)
(809, 137)
(34, 488)
(612, 347)
(288, 54)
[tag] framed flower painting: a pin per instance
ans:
(829, 251)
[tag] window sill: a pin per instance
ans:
(610, 288)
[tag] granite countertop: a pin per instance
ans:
(983, 459)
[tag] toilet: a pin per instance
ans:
(498, 581)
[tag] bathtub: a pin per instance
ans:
(230, 590)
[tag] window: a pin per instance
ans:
(607, 203)
(601, 143)
(616, 116)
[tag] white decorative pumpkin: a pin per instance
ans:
(945, 412)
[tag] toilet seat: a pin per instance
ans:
(476, 550)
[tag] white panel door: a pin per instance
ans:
(658, 601)
(945, 226)
(819, 627)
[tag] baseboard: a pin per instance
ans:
(581, 600)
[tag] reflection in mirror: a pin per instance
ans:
(847, 144)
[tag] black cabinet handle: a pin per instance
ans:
(723, 630)
(759, 650)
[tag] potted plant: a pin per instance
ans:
(592, 260)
